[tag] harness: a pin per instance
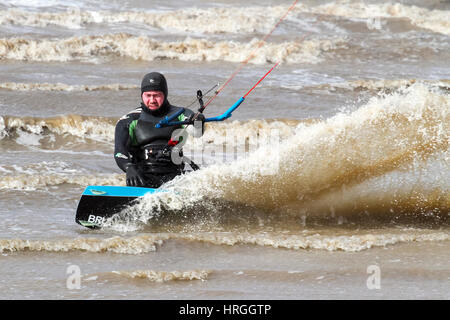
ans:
(150, 146)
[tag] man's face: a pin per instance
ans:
(153, 99)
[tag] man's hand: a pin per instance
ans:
(134, 179)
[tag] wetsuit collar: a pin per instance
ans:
(162, 111)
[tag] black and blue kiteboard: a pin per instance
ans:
(99, 203)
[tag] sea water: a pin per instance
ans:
(334, 170)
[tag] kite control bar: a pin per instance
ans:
(169, 120)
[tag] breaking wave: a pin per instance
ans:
(96, 128)
(17, 86)
(163, 276)
(353, 85)
(102, 128)
(434, 20)
(214, 20)
(137, 245)
(30, 182)
(149, 243)
(95, 48)
(230, 20)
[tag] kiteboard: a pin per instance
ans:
(98, 203)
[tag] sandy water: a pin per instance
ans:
(335, 166)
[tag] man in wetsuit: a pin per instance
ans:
(141, 150)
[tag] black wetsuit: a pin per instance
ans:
(139, 143)
(140, 147)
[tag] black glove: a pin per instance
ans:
(134, 178)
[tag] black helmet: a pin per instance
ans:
(154, 81)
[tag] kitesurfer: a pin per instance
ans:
(141, 149)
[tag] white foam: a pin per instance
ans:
(93, 48)
(164, 276)
(44, 86)
(31, 182)
(240, 20)
(193, 20)
(148, 243)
